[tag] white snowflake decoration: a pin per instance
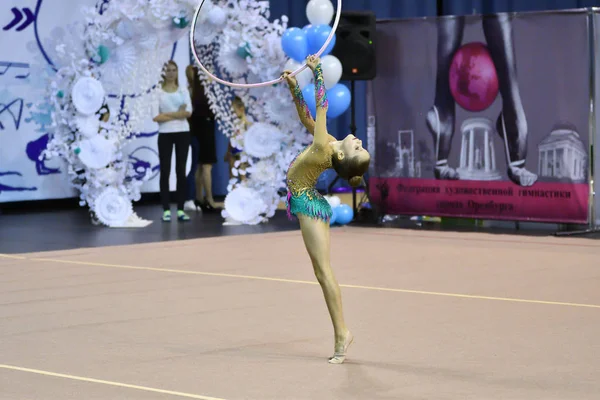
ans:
(245, 205)
(97, 56)
(276, 136)
(262, 140)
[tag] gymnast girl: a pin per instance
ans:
(350, 160)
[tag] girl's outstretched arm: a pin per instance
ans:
(321, 135)
(301, 107)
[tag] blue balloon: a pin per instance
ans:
(295, 44)
(338, 96)
(307, 27)
(343, 214)
(339, 100)
(316, 37)
(309, 98)
(332, 221)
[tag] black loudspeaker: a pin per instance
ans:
(355, 45)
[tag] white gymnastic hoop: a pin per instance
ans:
(262, 84)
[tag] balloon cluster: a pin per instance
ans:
(300, 43)
(342, 213)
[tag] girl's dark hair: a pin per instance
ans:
(237, 101)
(351, 169)
(191, 72)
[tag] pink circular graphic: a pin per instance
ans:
(473, 77)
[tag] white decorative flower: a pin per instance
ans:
(264, 172)
(262, 140)
(87, 95)
(209, 24)
(88, 125)
(231, 62)
(108, 176)
(217, 16)
(112, 208)
(245, 205)
(205, 33)
(203, 15)
(96, 152)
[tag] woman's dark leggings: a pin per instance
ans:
(181, 140)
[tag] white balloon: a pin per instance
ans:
(332, 70)
(320, 12)
(334, 201)
(304, 78)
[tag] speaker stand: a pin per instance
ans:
(353, 132)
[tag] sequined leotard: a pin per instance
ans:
(305, 169)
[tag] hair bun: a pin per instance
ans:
(355, 181)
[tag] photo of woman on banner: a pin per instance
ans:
(511, 124)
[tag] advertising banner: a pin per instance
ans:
(482, 117)
(596, 133)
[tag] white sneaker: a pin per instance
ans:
(191, 206)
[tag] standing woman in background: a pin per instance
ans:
(171, 112)
(233, 153)
(202, 124)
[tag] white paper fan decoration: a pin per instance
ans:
(207, 7)
(262, 140)
(209, 24)
(96, 152)
(88, 125)
(245, 205)
(259, 92)
(120, 66)
(279, 111)
(87, 95)
(167, 37)
(107, 176)
(231, 62)
(149, 42)
(263, 171)
(205, 34)
(125, 29)
(64, 46)
(112, 208)
(145, 35)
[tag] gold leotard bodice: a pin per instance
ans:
(305, 170)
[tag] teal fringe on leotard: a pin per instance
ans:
(310, 203)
